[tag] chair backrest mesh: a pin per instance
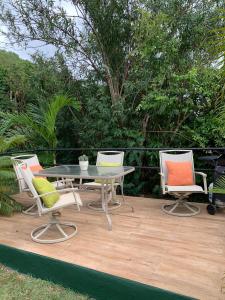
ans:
(110, 157)
(116, 157)
(175, 156)
(28, 176)
(30, 160)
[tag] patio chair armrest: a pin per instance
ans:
(65, 180)
(204, 180)
(163, 183)
(201, 173)
(58, 191)
(20, 179)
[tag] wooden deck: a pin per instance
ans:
(184, 255)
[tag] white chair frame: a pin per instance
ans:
(108, 157)
(112, 157)
(30, 160)
(180, 192)
(68, 197)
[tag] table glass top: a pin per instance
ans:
(92, 171)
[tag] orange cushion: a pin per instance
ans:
(179, 173)
(36, 168)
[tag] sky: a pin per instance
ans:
(23, 53)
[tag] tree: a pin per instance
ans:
(15, 85)
(97, 36)
(51, 76)
(170, 56)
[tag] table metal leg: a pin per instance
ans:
(104, 194)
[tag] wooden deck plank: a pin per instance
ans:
(184, 255)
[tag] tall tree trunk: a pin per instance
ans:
(144, 127)
(114, 86)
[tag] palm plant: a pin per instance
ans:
(39, 122)
(219, 38)
(7, 177)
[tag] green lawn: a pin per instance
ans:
(14, 285)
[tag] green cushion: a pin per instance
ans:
(43, 186)
(107, 164)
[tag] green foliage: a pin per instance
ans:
(39, 122)
(149, 80)
(7, 176)
(83, 158)
(52, 77)
(15, 87)
(10, 142)
(217, 40)
(174, 81)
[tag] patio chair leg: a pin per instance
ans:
(32, 210)
(124, 201)
(105, 207)
(43, 231)
(61, 230)
(184, 209)
(38, 232)
(112, 202)
(192, 208)
(77, 204)
(122, 193)
(174, 207)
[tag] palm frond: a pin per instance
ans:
(217, 40)
(7, 177)
(5, 208)
(11, 142)
(8, 205)
(51, 112)
(39, 121)
(24, 120)
(6, 174)
(5, 162)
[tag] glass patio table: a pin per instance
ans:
(106, 174)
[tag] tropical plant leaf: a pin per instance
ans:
(6, 174)
(5, 162)
(8, 205)
(39, 121)
(11, 142)
(5, 209)
(7, 177)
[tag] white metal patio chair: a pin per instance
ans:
(68, 197)
(181, 207)
(32, 160)
(108, 157)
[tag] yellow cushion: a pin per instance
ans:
(43, 186)
(107, 164)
